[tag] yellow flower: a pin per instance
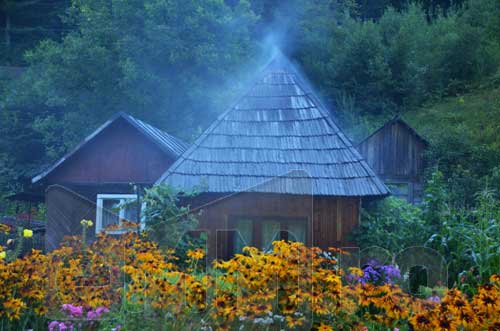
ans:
(13, 308)
(324, 327)
(87, 223)
(196, 254)
(4, 228)
(27, 233)
(356, 272)
(3, 255)
(495, 278)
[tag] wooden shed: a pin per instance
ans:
(275, 166)
(395, 153)
(102, 173)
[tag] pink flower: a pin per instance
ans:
(74, 311)
(52, 325)
(95, 314)
(59, 326)
(101, 310)
(92, 315)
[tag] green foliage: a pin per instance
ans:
(464, 141)
(167, 221)
(467, 238)
(166, 61)
(470, 241)
(400, 61)
(392, 224)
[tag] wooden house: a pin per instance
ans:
(275, 166)
(395, 153)
(96, 179)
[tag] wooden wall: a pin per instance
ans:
(394, 152)
(68, 204)
(330, 219)
(65, 210)
(118, 154)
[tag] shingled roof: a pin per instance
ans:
(279, 130)
(168, 143)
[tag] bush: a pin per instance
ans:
(393, 224)
(169, 220)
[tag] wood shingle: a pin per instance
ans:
(277, 129)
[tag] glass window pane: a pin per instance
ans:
(297, 230)
(130, 210)
(270, 233)
(243, 235)
(110, 212)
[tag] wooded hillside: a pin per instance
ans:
(178, 63)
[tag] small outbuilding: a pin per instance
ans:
(275, 166)
(102, 174)
(395, 152)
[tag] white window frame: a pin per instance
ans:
(99, 209)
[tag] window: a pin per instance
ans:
(261, 232)
(243, 234)
(400, 190)
(112, 209)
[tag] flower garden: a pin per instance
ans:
(129, 283)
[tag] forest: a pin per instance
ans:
(433, 62)
(177, 64)
(67, 66)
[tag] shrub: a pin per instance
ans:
(168, 220)
(392, 224)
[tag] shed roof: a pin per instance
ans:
(168, 143)
(397, 120)
(277, 129)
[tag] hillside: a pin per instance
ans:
(472, 117)
(464, 135)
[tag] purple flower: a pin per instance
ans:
(95, 314)
(92, 315)
(74, 311)
(377, 273)
(435, 299)
(101, 310)
(60, 326)
(52, 325)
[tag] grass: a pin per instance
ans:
(473, 116)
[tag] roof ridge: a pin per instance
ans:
(174, 151)
(362, 182)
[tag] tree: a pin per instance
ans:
(167, 61)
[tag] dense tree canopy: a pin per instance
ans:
(176, 63)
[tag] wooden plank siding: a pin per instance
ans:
(119, 154)
(65, 210)
(323, 214)
(123, 152)
(395, 153)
